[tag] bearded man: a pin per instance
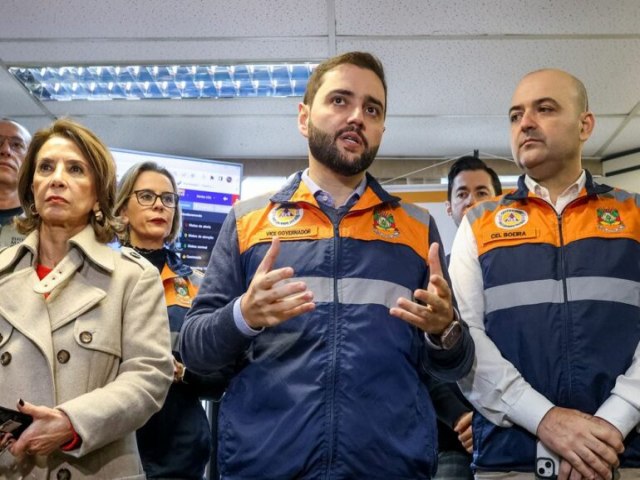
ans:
(325, 305)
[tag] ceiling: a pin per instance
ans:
(451, 66)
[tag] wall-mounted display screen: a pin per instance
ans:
(207, 191)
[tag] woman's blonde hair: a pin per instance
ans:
(102, 167)
(125, 191)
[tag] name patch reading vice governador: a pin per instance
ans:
(294, 232)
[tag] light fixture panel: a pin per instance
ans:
(141, 82)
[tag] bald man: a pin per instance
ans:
(14, 140)
(548, 278)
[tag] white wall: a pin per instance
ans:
(253, 186)
(629, 180)
(446, 226)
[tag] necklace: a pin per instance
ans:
(145, 251)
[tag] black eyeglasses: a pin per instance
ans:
(147, 198)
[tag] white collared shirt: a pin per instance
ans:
(565, 198)
(494, 386)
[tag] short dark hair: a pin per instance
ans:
(466, 163)
(359, 59)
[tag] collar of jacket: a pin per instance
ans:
(176, 265)
(287, 192)
(82, 245)
(591, 187)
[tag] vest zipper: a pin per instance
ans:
(565, 304)
(565, 297)
(335, 221)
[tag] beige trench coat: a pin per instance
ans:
(97, 348)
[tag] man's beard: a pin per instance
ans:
(325, 150)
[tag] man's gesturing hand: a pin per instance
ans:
(272, 298)
(436, 311)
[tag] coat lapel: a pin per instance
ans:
(74, 299)
(70, 295)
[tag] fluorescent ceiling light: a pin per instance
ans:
(140, 82)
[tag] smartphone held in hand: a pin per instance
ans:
(13, 422)
(547, 463)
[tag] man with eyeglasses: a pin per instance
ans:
(14, 141)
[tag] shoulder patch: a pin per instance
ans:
(384, 223)
(285, 215)
(510, 218)
(610, 220)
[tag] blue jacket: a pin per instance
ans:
(176, 441)
(338, 392)
(562, 297)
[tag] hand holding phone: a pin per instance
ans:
(13, 422)
(547, 463)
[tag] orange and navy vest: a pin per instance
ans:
(336, 392)
(562, 304)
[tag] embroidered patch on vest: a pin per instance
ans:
(609, 220)
(384, 224)
(285, 216)
(511, 218)
(177, 292)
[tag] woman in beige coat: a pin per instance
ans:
(84, 339)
